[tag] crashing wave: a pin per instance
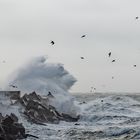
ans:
(43, 77)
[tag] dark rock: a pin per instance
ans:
(1, 117)
(82, 102)
(7, 120)
(34, 96)
(14, 117)
(15, 95)
(77, 124)
(69, 118)
(38, 110)
(10, 129)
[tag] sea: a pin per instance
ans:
(103, 116)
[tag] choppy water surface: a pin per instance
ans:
(103, 117)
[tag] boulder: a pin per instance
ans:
(38, 110)
(10, 129)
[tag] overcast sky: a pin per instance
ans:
(28, 26)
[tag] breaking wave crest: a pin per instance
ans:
(43, 77)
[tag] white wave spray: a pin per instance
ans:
(40, 76)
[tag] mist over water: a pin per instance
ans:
(43, 77)
(102, 115)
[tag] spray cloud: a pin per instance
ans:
(40, 76)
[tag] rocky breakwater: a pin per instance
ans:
(10, 129)
(31, 107)
(38, 110)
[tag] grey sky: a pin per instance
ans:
(27, 26)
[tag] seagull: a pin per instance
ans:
(83, 36)
(109, 54)
(92, 89)
(82, 58)
(113, 60)
(112, 77)
(134, 65)
(52, 42)
(13, 86)
(137, 17)
(50, 95)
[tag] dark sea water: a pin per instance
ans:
(103, 117)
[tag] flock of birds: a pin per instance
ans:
(109, 55)
(83, 36)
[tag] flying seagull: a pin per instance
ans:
(137, 17)
(134, 65)
(113, 60)
(92, 88)
(13, 86)
(50, 95)
(52, 42)
(109, 54)
(83, 36)
(82, 58)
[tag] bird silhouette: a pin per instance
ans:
(137, 17)
(52, 42)
(109, 54)
(92, 89)
(82, 58)
(13, 86)
(113, 60)
(134, 65)
(50, 95)
(83, 36)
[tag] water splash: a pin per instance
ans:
(43, 77)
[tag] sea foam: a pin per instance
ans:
(42, 77)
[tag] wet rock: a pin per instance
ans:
(15, 95)
(38, 110)
(14, 117)
(77, 124)
(82, 102)
(69, 118)
(8, 120)
(34, 96)
(1, 117)
(10, 129)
